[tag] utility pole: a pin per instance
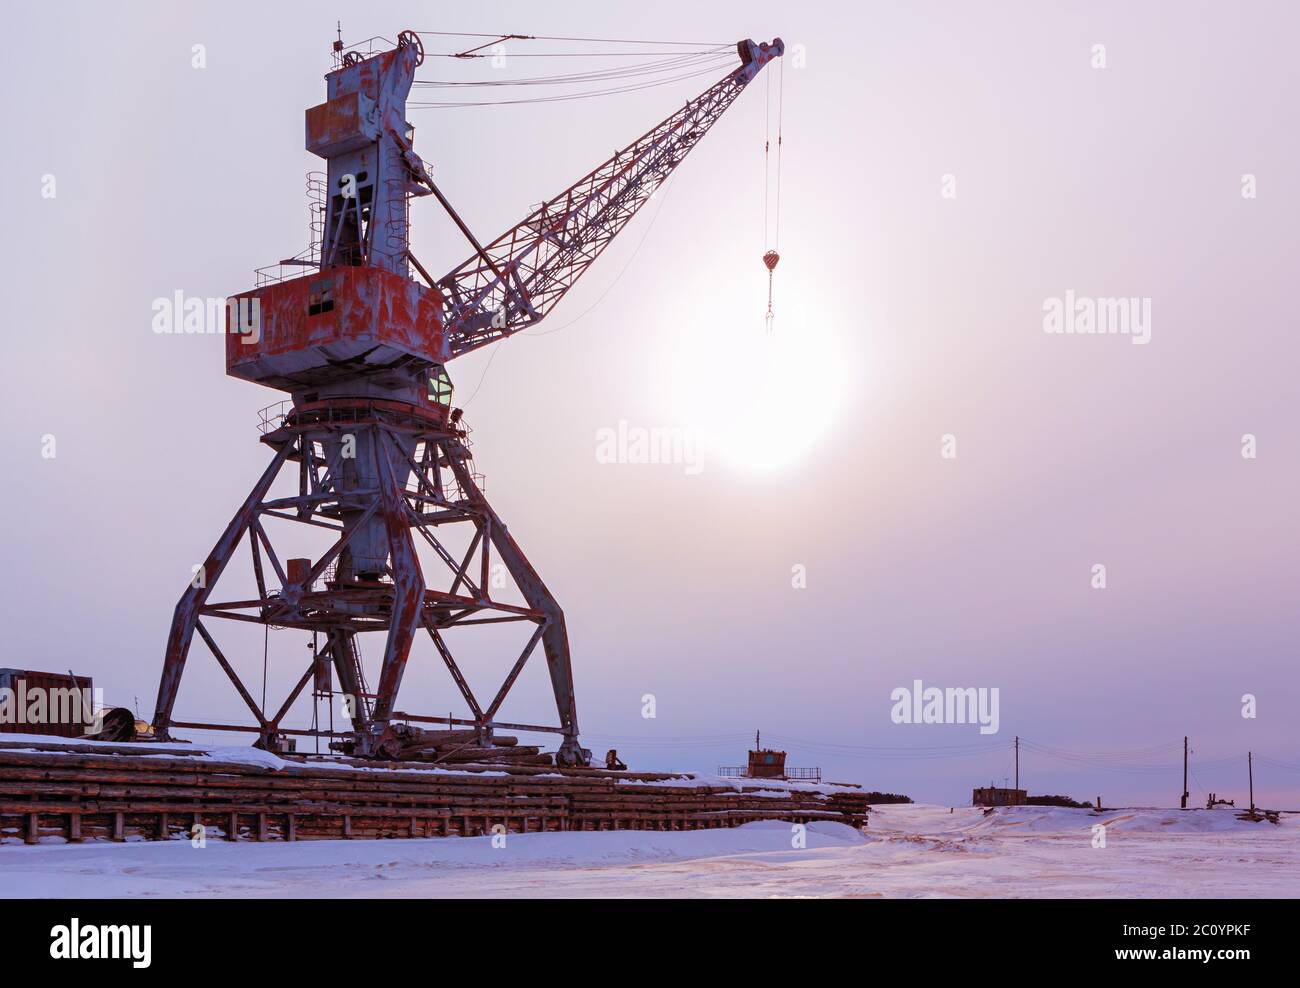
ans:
(1185, 792)
(1250, 773)
(1017, 761)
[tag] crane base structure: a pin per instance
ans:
(411, 475)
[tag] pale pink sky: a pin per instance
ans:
(901, 316)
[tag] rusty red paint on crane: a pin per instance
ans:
(328, 325)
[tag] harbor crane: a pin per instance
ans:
(360, 337)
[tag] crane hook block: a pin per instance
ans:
(770, 259)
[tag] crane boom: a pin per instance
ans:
(516, 280)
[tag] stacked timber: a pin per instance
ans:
(83, 792)
(464, 748)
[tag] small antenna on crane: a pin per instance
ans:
(338, 42)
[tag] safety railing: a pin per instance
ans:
(272, 417)
(316, 182)
(804, 774)
(288, 269)
(362, 49)
(308, 258)
(790, 774)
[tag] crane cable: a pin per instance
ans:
(630, 88)
(541, 37)
(656, 67)
(667, 186)
(770, 255)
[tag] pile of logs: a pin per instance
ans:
(80, 792)
(463, 748)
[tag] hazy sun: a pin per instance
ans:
(759, 400)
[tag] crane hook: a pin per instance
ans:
(770, 259)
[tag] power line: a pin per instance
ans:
(984, 746)
(1274, 763)
(1119, 752)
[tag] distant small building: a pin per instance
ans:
(768, 763)
(994, 796)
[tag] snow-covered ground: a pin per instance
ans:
(906, 851)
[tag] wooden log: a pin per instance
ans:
(94, 796)
(197, 762)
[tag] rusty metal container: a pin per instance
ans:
(67, 714)
(330, 326)
(767, 764)
(348, 123)
(297, 570)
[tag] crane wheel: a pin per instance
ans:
(411, 38)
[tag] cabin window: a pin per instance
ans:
(320, 298)
(439, 386)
